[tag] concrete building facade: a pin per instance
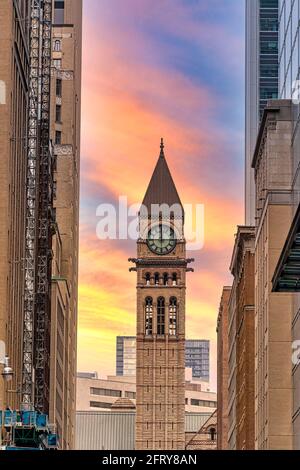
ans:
(65, 135)
(261, 81)
(273, 311)
(14, 80)
(100, 394)
(222, 370)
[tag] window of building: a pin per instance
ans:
(161, 316)
(57, 63)
(165, 277)
(174, 279)
(58, 87)
(269, 47)
(213, 434)
(148, 277)
(173, 316)
(268, 24)
(269, 71)
(268, 3)
(148, 316)
(156, 279)
(206, 403)
(130, 395)
(99, 404)
(105, 392)
(58, 113)
(59, 12)
(57, 45)
(58, 137)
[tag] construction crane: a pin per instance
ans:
(39, 216)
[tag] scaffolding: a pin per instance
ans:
(39, 215)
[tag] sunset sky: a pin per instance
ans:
(152, 69)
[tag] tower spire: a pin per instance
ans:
(162, 146)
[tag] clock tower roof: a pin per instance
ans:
(161, 189)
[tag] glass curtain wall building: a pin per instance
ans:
(196, 357)
(287, 274)
(261, 81)
(126, 356)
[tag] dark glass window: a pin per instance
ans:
(269, 47)
(58, 113)
(59, 12)
(161, 316)
(148, 316)
(58, 87)
(268, 3)
(268, 24)
(58, 137)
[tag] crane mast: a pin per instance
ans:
(39, 215)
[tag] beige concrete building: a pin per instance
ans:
(14, 67)
(222, 370)
(65, 134)
(101, 394)
(273, 312)
(242, 318)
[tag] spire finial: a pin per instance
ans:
(162, 155)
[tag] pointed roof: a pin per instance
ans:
(161, 189)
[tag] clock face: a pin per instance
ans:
(161, 239)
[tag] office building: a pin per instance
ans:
(287, 275)
(101, 394)
(261, 81)
(222, 370)
(41, 343)
(126, 355)
(241, 340)
(196, 357)
(14, 83)
(65, 135)
(273, 311)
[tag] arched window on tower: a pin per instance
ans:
(174, 279)
(173, 316)
(213, 433)
(148, 316)
(165, 279)
(148, 276)
(161, 316)
(156, 279)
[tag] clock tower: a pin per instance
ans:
(161, 267)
